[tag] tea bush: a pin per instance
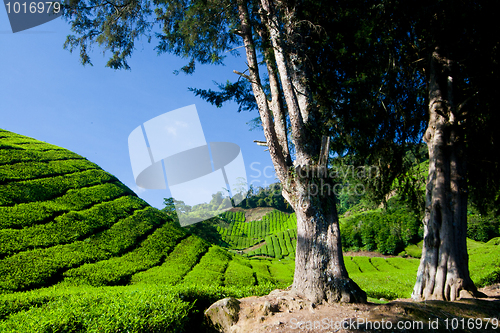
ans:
(118, 270)
(387, 232)
(239, 273)
(39, 267)
(210, 269)
(177, 264)
(69, 227)
(48, 188)
(27, 214)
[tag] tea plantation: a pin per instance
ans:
(80, 252)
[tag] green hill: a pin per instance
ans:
(60, 213)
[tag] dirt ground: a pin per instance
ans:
(284, 313)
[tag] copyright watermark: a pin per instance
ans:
(355, 324)
(25, 15)
(336, 180)
(366, 324)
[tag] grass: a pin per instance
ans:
(484, 262)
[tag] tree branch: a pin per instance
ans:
(260, 96)
(276, 101)
(298, 135)
(244, 75)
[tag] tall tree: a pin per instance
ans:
(453, 43)
(278, 32)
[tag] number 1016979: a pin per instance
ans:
(33, 7)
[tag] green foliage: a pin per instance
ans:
(414, 250)
(26, 214)
(266, 197)
(14, 140)
(209, 230)
(387, 232)
(94, 232)
(230, 230)
(261, 270)
(494, 241)
(388, 278)
(131, 309)
(482, 228)
(276, 246)
(239, 273)
(230, 216)
(270, 246)
(135, 309)
(31, 170)
(282, 271)
(395, 277)
(282, 244)
(351, 266)
(11, 155)
(484, 262)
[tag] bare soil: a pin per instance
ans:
(294, 314)
(366, 254)
(255, 247)
(253, 214)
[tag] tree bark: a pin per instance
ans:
(443, 273)
(320, 273)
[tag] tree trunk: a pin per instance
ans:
(443, 273)
(320, 273)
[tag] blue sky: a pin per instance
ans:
(46, 93)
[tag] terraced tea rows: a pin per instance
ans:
(278, 245)
(64, 218)
(388, 278)
(275, 225)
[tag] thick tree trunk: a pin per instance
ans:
(443, 273)
(320, 273)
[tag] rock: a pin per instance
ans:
(465, 294)
(311, 307)
(223, 313)
(266, 308)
